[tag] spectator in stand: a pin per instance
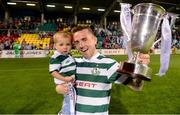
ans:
(28, 47)
(7, 44)
(33, 46)
(1, 46)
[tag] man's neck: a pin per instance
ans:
(90, 56)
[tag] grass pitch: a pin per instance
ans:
(27, 88)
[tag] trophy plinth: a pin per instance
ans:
(136, 70)
(146, 20)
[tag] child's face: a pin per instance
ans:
(63, 45)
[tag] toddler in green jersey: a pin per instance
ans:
(62, 68)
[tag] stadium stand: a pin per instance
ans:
(25, 25)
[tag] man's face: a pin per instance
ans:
(85, 43)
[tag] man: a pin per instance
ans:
(95, 74)
(16, 48)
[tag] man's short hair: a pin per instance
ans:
(79, 28)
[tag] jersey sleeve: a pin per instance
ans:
(54, 65)
(114, 76)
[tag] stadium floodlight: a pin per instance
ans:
(68, 7)
(117, 11)
(28, 4)
(100, 9)
(11, 3)
(85, 8)
(177, 8)
(51, 6)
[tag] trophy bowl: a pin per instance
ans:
(146, 20)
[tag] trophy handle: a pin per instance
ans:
(157, 41)
(172, 22)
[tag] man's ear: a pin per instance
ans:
(95, 40)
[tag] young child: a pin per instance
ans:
(62, 68)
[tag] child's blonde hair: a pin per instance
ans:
(61, 35)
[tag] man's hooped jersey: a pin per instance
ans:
(94, 79)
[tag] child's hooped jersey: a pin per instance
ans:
(64, 64)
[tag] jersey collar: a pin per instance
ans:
(92, 58)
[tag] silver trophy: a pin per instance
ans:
(146, 20)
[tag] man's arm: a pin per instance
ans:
(133, 83)
(62, 89)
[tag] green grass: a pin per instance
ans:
(161, 95)
(27, 88)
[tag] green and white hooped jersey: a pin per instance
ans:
(64, 64)
(94, 79)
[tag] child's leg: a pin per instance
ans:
(65, 110)
(68, 107)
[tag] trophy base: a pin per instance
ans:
(136, 70)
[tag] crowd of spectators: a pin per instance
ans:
(175, 40)
(25, 23)
(109, 37)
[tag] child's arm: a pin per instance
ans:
(57, 75)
